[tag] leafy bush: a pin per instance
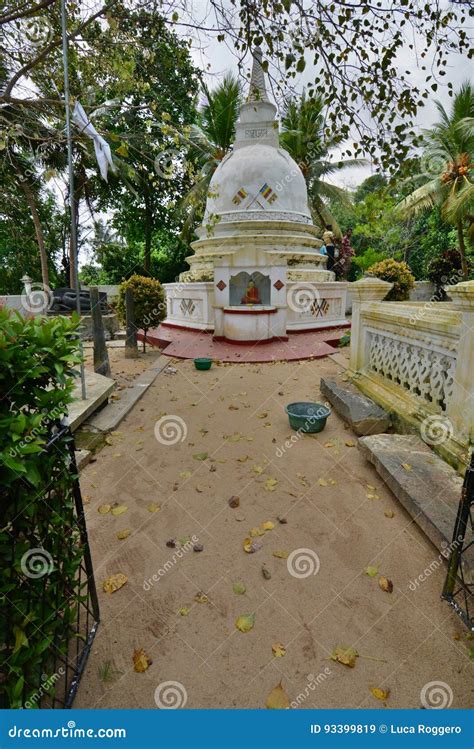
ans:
(397, 273)
(445, 270)
(149, 302)
(37, 361)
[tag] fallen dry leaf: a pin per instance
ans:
(201, 597)
(254, 532)
(263, 415)
(278, 650)
(346, 656)
(245, 623)
(266, 572)
(141, 661)
(278, 699)
(118, 509)
(243, 458)
(267, 525)
(385, 584)
(153, 507)
(380, 694)
(121, 535)
(280, 554)
(373, 496)
(200, 456)
(183, 611)
(407, 466)
(185, 474)
(114, 582)
(371, 571)
(389, 514)
(233, 502)
(252, 546)
(239, 588)
(350, 443)
(257, 469)
(270, 485)
(104, 509)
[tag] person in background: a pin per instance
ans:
(323, 250)
(329, 243)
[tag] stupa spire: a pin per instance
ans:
(257, 91)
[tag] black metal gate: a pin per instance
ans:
(50, 610)
(459, 585)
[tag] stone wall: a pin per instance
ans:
(416, 360)
(423, 291)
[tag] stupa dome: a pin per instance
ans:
(258, 180)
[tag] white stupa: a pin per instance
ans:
(256, 273)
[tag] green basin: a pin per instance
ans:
(307, 417)
(203, 363)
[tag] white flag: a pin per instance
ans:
(102, 148)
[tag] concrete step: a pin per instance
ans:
(427, 487)
(361, 413)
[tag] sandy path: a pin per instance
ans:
(405, 639)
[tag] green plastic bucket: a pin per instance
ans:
(307, 417)
(203, 363)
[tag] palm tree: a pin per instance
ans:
(210, 139)
(448, 153)
(303, 137)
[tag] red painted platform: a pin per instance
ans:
(189, 344)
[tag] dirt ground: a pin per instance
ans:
(123, 371)
(227, 435)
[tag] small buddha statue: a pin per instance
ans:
(251, 295)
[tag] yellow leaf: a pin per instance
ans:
(371, 571)
(183, 611)
(407, 466)
(251, 546)
(350, 443)
(114, 582)
(373, 496)
(185, 474)
(322, 482)
(270, 485)
(389, 514)
(121, 535)
(268, 525)
(245, 623)
(119, 509)
(256, 532)
(263, 415)
(280, 554)
(153, 507)
(278, 650)
(104, 509)
(380, 694)
(371, 488)
(278, 699)
(302, 479)
(346, 656)
(141, 661)
(243, 458)
(330, 443)
(257, 469)
(385, 584)
(201, 597)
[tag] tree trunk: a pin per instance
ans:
(148, 234)
(462, 251)
(30, 197)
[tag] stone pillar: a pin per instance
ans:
(101, 356)
(366, 290)
(460, 409)
(131, 348)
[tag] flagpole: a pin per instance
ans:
(72, 205)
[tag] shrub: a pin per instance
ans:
(445, 270)
(397, 273)
(37, 367)
(148, 301)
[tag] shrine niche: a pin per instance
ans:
(249, 288)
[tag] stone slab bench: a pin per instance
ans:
(427, 487)
(361, 413)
